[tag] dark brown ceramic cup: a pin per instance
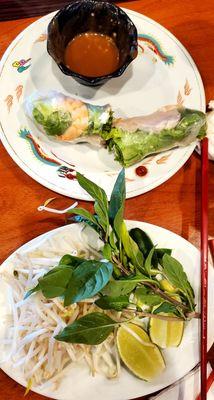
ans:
(92, 16)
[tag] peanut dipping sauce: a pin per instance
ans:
(92, 54)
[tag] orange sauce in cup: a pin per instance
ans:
(92, 54)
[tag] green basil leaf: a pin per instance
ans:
(107, 251)
(145, 296)
(96, 192)
(124, 286)
(88, 279)
(99, 195)
(143, 241)
(118, 221)
(131, 248)
(91, 329)
(112, 241)
(78, 218)
(86, 214)
(160, 253)
(118, 196)
(148, 261)
(31, 291)
(102, 215)
(174, 272)
(120, 287)
(54, 283)
(73, 261)
(167, 308)
(112, 303)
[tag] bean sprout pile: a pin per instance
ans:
(33, 322)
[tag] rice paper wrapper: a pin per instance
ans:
(135, 138)
(64, 118)
(210, 131)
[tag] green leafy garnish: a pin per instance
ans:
(145, 245)
(145, 296)
(142, 239)
(86, 214)
(131, 248)
(174, 272)
(54, 282)
(113, 303)
(74, 282)
(118, 196)
(32, 291)
(120, 287)
(124, 286)
(73, 261)
(91, 329)
(101, 201)
(160, 253)
(88, 279)
(131, 268)
(107, 251)
(148, 261)
(167, 308)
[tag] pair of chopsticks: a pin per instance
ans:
(204, 267)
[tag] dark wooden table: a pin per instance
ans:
(174, 205)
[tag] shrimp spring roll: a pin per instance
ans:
(65, 118)
(132, 139)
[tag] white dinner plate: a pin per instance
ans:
(77, 383)
(163, 73)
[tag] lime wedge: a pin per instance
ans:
(166, 333)
(138, 353)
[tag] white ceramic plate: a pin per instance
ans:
(163, 73)
(77, 383)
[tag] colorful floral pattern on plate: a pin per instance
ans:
(21, 65)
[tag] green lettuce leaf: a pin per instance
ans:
(131, 147)
(54, 121)
(100, 119)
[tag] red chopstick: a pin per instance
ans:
(210, 381)
(211, 246)
(204, 264)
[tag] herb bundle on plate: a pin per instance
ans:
(131, 274)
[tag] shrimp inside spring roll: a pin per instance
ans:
(64, 118)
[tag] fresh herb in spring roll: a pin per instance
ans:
(64, 118)
(133, 139)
